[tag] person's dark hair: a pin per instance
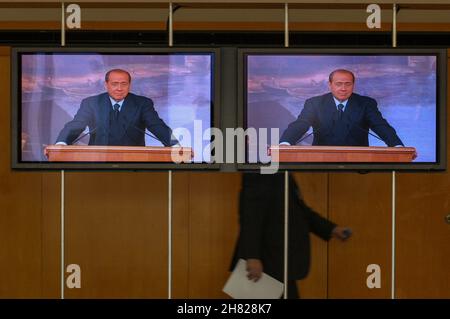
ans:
(117, 70)
(330, 78)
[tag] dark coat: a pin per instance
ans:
(262, 225)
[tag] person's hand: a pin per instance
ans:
(254, 269)
(342, 233)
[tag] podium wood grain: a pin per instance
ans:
(338, 154)
(78, 153)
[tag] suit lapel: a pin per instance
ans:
(127, 113)
(328, 112)
(103, 117)
(351, 111)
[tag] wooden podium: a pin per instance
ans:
(339, 154)
(77, 153)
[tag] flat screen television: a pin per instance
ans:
(172, 89)
(391, 98)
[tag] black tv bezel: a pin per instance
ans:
(157, 166)
(441, 111)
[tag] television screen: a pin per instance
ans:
(344, 109)
(111, 99)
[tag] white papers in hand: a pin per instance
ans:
(239, 286)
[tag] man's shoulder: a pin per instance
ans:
(95, 98)
(363, 98)
(319, 99)
(139, 99)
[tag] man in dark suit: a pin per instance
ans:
(261, 237)
(341, 117)
(117, 117)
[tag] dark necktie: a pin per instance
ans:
(340, 110)
(116, 111)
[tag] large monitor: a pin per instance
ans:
(62, 96)
(344, 108)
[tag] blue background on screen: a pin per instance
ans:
(53, 86)
(404, 87)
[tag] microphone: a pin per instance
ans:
(368, 132)
(83, 135)
(316, 131)
(141, 130)
(304, 137)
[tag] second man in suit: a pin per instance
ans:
(341, 117)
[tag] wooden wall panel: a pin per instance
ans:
(20, 234)
(362, 202)
(423, 235)
(213, 229)
(116, 230)
(51, 234)
(20, 211)
(180, 235)
(227, 26)
(314, 189)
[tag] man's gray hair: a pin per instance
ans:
(117, 70)
(330, 78)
